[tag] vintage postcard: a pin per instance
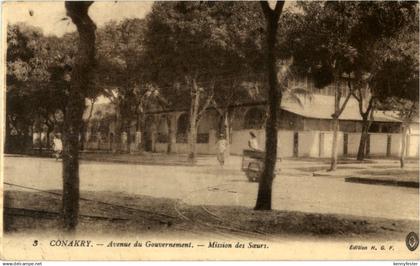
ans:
(200, 130)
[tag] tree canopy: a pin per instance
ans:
(331, 39)
(211, 41)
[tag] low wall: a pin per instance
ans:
(308, 144)
(326, 143)
(378, 144)
(395, 144)
(353, 141)
(413, 146)
(316, 144)
(285, 143)
(240, 140)
(182, 148)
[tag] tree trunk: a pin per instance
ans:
(128, 130)
(78, 12)
(40, 143)
(138, 129)
(117, 133)
(32, 137)
(85, 125)
(334, 152)
(83, 136)
(39, 130)
(227, 132)
(171, 138)
(142, 146)
(123, 129)
(363, 139)
(192, 141)
(403, 145)
(192, 138)
(274, 100)
(153, 137)
(49, 130)
(338, 110)
(24, 139)
(7, 145)
(137, 121)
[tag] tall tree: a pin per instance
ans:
(321, 47)
(81, 79)
(23, 76)
(399, 86)
(38, 69)
(378, 23)
(122, 72)
(272, 17)
(193, 47)
(342, 43)
(232, 92)
(367, 106)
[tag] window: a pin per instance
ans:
(348, 126)
(390, 128)
(374, 127)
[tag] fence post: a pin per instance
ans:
(345, 143)
(388, 145)
(296, 144)
(368, 145)
(321, 144)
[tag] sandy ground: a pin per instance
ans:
(208, 184)
(208, 198)
(104, 213)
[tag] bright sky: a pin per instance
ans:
(48, 15)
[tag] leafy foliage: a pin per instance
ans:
(39, 69)
(213, 42)
(331, 39)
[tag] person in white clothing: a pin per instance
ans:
(57, 147)
(221, 148)
(253, 142)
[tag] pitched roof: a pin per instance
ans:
(322, 107)
(318, 107)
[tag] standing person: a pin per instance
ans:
(57, 147)
(253, 142)
(221, 148)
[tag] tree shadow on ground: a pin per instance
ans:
(111, 213)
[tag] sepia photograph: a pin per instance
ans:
(210, 130)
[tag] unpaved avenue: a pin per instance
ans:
(212, 185)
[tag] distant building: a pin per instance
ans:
(305, 129)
